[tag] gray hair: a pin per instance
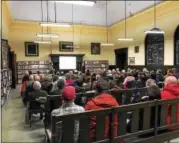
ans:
(150, 82)
(36, 85)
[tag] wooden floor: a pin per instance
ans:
(13, 126)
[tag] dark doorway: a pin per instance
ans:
(176, 47)
(121, 58)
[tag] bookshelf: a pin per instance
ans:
(6, 82)
(34, 66)
(94, 65)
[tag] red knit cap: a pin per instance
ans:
(68, 93)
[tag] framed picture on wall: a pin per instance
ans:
(136, 49)
(31, 49)
(131, 60)
(66, 46)
(95, 48)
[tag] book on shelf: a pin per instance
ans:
(33, 66)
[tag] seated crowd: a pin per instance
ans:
(68, 86)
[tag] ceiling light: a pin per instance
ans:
(154, 32)
(84, 3)
(125, 39)
(107, 44)
(47, 35)
(43, 42)
(45, 24)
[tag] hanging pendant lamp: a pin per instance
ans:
(107, 44)
(125, 38)
(155, 30)
(72, 46)
(42, 41)
(54, 24)
(48, 34)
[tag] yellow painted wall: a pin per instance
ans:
(5, 21)
(84, 35)
(167, 19)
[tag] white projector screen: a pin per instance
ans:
(67, 63)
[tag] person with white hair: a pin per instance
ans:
(38, 96)
(37, 92)
(150, 82)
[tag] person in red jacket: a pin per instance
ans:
(69, 81)
(102, 101)
(171, 91)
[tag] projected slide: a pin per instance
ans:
(66, 63)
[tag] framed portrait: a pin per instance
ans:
(131, 60)
(31, 49)
(136, 49)
(66, 46)
(95, 48)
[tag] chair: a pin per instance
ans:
(33, 107)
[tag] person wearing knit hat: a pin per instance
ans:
(69, 107)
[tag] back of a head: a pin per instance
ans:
(73, 77)
(150, 82)
(36, 85)
(38, 72)
(101, 86)
(129, 74)
(61, 83)
(153, 92)
(79, 81)
(31, 77)
(153, 75)
(98, 77)
(170, 80)
(93, 77)
(26, 77)
(55, 78)
(174, 70)
(169, 71)
(42, 76)
(67, 76)
(58, 73)
(37, 78)
(70, 72)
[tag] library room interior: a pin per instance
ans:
(90, 71)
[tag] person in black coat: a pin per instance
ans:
(60, 86)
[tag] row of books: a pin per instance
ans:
(33, 66)
(94, 65)
(6, 82)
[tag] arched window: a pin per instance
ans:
(176, 46)
(154, 49)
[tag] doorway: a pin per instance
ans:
(121, 58)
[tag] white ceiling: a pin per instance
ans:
(96, 15)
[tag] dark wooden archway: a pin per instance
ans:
(154, 50)
(176, 47)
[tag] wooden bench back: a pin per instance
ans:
(84, 126)
(128, 96)
(168, 107)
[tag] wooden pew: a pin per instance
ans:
(84, 127)
(157, 133)
(128, 96)
(53, 102)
